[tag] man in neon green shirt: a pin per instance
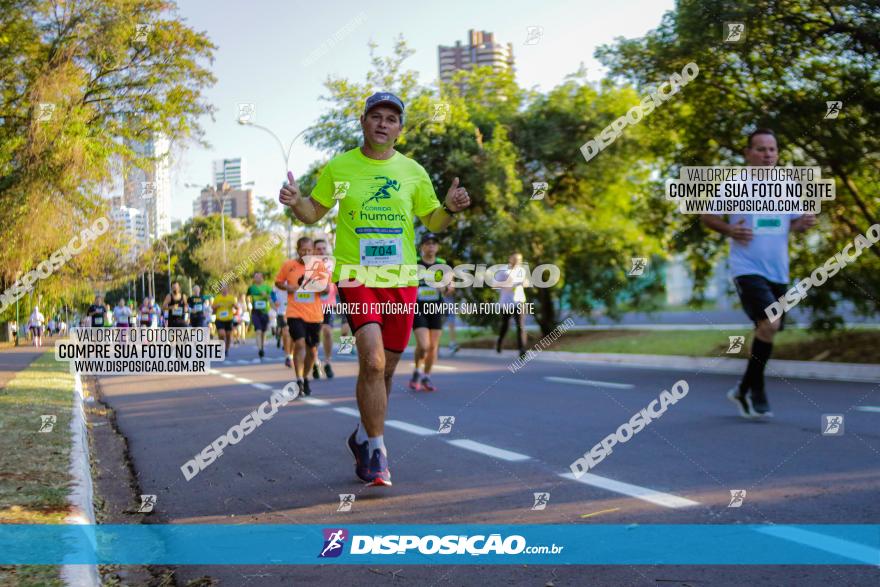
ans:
(260, 296)
(380, 193)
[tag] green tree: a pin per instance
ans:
(797, 55)
(110, 87)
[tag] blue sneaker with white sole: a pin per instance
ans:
(378, 473)
(361, 455)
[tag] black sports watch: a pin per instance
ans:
(447, 210)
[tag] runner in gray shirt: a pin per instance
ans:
(759, 267)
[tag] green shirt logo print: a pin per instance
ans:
(382, 192)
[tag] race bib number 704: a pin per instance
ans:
(381, 251)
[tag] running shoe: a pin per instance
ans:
(414, 382)
(316, 370)
(378, 473)
(328, 371)
(453, 348)
(288, 362)
(498, 346)
(306, 389)
(361, 455)
(427, 385)
(261, 353)
(759, 403)
(739, 400)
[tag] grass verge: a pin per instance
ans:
(34, 479)
(797, 344)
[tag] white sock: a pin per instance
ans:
(361, 435)
(377, 442)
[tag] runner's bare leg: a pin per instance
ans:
(422, 339)
(375, 375)
(432, 350)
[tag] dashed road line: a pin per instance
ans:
(498, 453)
(636, 491)
(412, 428)
(643, 493)
(590, 382)
(348, 412)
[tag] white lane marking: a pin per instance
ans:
(444, 368)
(845, 548)
(243, 380)
(262, 386)
(591, 383)
(241, 361)
(498, 453)
(643, 493)
(407, 427)
(227, 376)
(348, 411)
(875, 409)
(313, 401)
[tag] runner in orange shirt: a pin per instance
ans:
(305, 314)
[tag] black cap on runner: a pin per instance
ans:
(428, 237)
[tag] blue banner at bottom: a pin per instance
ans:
(683, 544)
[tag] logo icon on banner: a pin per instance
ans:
(833, 109)
(318, 271)
(47, 423)
(534, 35)
(446, 423)
(340, 189)
(638, 266)
(148, 189)
(346, 500)
(736, 498)
(334, 542)
(832, 424)
(539, 190)
(346, 345)
(736, 344)
(734, 32)
(148, 502)
(247, 112)
(142, 31)
(541, 500)
(47, 109)
(441, 109)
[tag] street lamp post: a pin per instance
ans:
(167, 254)
(285, 154)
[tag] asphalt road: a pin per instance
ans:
(514, 434)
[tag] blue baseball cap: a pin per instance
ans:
(383, 98)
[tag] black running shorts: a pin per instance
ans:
(299, 328)
(756, 293)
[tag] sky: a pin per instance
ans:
(266, 55)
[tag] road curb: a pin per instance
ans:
(82, 493)
(855, 372)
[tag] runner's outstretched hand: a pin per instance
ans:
(457, 198)
(290, 193)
